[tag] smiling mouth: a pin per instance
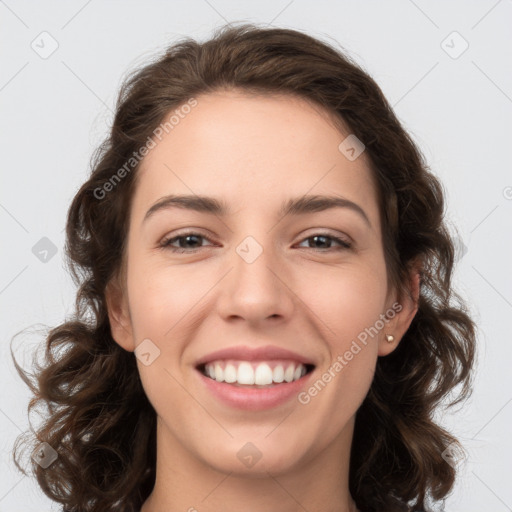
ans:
(245, 374)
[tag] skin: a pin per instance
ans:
(254, 152)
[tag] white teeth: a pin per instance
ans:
(245, 374)
(260, 375)
(289, 373)
(263, 375)
(230, 373)
(219, 373)
(278, 374)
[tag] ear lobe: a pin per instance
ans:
(119, 316)
(397, 327)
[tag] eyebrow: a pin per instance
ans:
(296, 206)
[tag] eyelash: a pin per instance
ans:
(166, 243)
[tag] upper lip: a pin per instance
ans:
(244, 353)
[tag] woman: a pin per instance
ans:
(292, 357)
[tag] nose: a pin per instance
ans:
(257, 291)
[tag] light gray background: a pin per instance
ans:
(55, 111)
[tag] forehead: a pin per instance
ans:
(252, 150)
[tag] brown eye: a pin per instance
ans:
(323, 242)
(187, 242)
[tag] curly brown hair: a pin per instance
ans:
(99, 419)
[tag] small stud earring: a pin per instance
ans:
(390, 338)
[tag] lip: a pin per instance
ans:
(244, 353)
(254, 399)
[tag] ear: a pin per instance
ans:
(405, 309)
(119, 316)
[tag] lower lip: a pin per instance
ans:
(255, 399)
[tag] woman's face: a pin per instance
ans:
(253, 277)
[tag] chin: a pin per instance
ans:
(254, 458)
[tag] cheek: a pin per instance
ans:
(347, 300)
(347, 303)
(161, 297)
(162, 302)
